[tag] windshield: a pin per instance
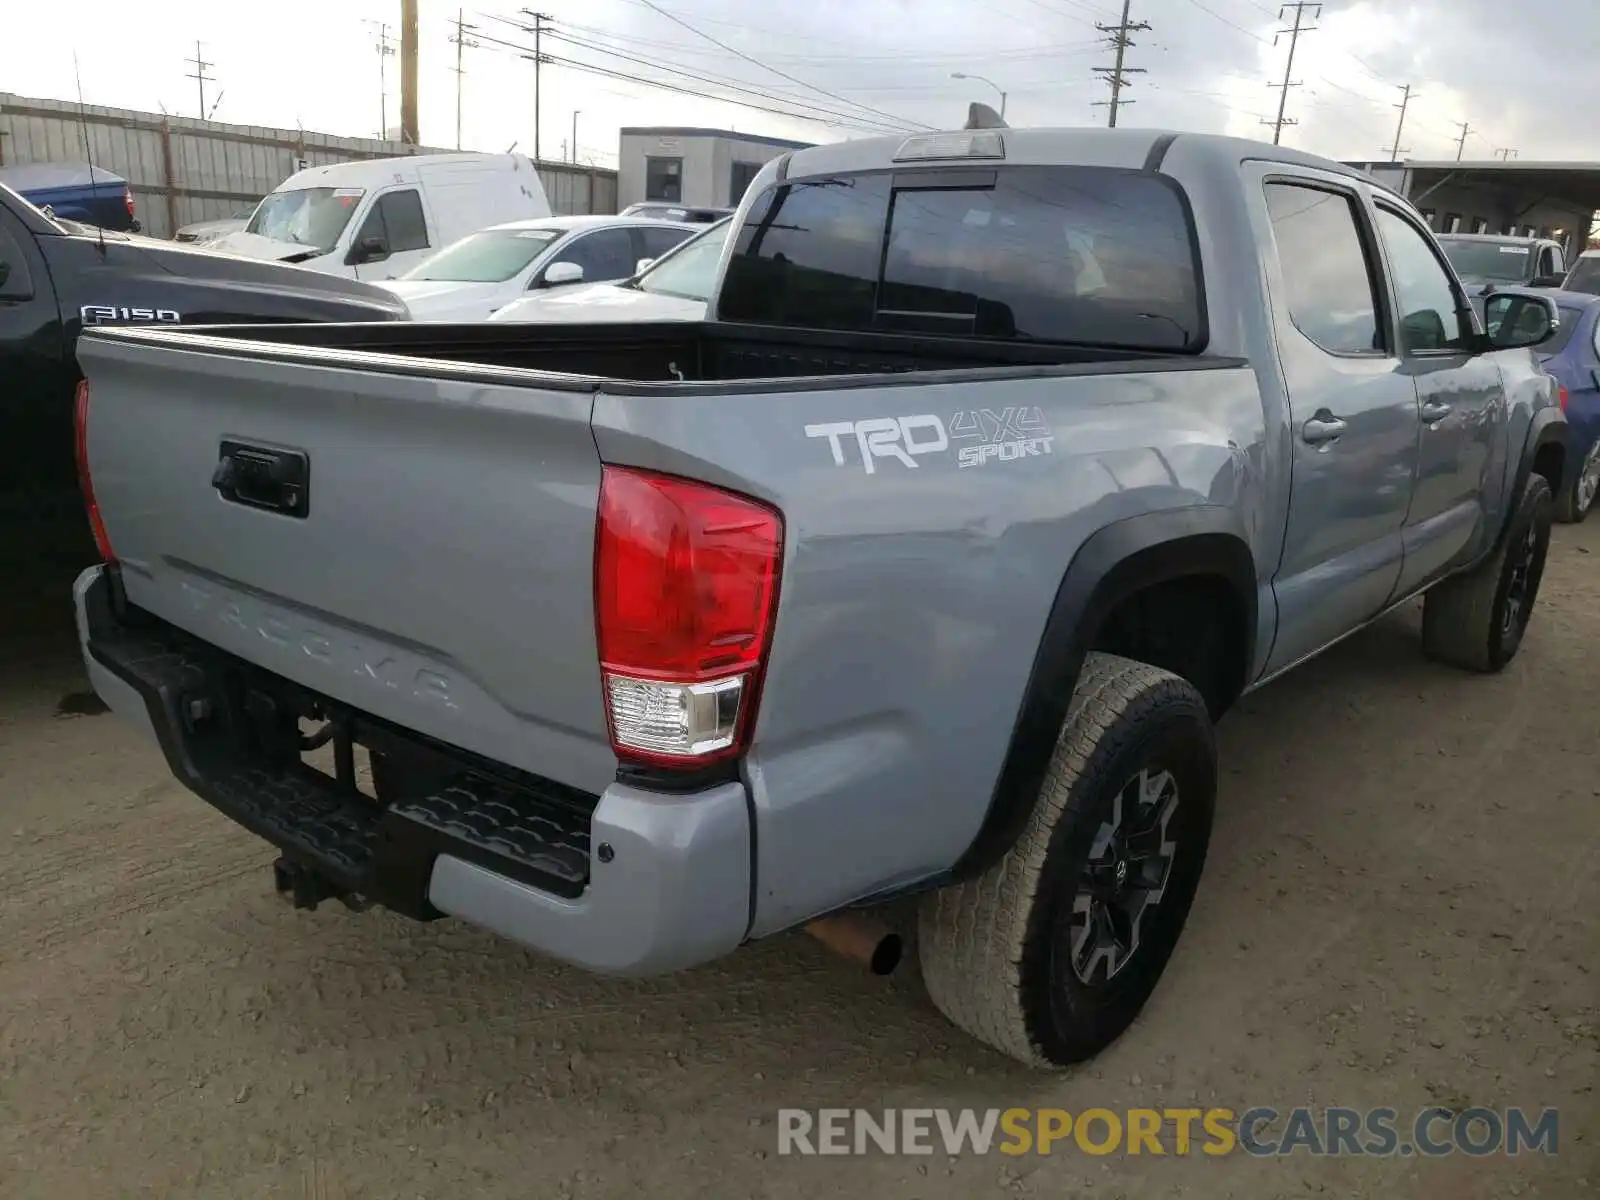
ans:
(691, 271)
(488, 256)
(1506, 261)
(1585, 275)
(313, 217)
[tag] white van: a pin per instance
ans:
(378, 219)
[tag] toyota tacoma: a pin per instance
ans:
(1004, 463)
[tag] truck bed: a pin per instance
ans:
(688, 352)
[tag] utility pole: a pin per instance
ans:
(1461, 142)
(386, 50)
(539, 20)
(1116, 75)
(1299, 27)
(1405, 103)
(200, 77)
(575, 113)
(462, 41)
(1506, 153)
(408, 72)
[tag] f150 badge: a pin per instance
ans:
(992, 435)
(109, 314)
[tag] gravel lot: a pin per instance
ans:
(1401, 908)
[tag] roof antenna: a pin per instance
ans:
(83, 126)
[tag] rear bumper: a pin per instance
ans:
(630, 882)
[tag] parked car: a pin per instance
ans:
(674, 287)
(75, 192)
(922, 567)
(1585, 274)
(201, 232)
(57, 278)
(484, 271)
(378, 218)
(1488, 261)
(661, 210)
(1573, 357)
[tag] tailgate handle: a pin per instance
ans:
(262, 477)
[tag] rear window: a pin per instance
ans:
(1084, 255)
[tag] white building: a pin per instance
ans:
(704, 167)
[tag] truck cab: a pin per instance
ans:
(378, 219)
(1486, 261)
(77, 192)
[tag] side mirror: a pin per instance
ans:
(1548, 281)
(368, 249)
(640, 267)
(559, 273)
(1519, 320)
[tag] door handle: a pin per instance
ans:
(1433, 410)
(1323, 429)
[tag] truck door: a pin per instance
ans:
(398, 225)
(36, 382)
(1352, 413)
(1461, 404)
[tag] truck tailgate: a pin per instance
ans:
(434, 569)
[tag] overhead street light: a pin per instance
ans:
(990, 82)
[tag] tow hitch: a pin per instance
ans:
(304, 888)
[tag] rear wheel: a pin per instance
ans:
(1050, 954)
(1477, 620)
(1577, 498)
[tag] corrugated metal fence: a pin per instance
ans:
(183, 170)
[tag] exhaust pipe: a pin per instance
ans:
(861, 939)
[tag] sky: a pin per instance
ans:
(822, 70)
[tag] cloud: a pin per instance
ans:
(1204, 65)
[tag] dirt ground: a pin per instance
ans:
(1401, 908)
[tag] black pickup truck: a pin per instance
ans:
(57, 277)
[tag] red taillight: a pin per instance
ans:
(80, 438)
(127, 198)
(1561, 396)
(686, 581)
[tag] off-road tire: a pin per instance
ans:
(1466, 620)
(1576, 499)
(993, 948)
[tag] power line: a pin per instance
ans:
(656, 8)
(1405, 103)
(462, 41)
(200, 77)
(853, 122)
(730, 84)
(1300, 7)
(1116, 75)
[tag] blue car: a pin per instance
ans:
(1573, 357)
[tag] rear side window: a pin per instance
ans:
(1326, 271)
(1064, 254)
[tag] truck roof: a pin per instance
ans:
(32, 177)
(1128, 148)
(405, 168)
(1503, 239)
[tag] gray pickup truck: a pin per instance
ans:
(1007, 462)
